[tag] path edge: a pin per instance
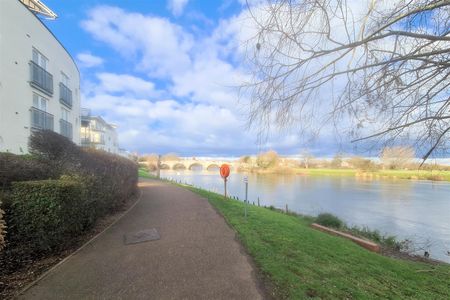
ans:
(263, 283)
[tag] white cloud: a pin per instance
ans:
(177, 6)
(153, 43)
(87, 60)
(181, 94)
(125, 84)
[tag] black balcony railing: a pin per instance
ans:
(65, 95)
(85, 141)
(41, 119)
(40, 78)
(65, 129)
(89, 142)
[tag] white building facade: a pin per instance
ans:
(99, 134)
(39, 80)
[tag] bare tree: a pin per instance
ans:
(378, 69)
(362, 164)
(306, 158)
(397, 157)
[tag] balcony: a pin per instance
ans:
(65, 129)
(85, 142)
(41, 119)
(65, 95)
(89, 142)
(41, 79)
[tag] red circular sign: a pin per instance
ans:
(224, 170)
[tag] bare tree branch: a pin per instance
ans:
(380, 69)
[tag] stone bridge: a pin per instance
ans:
(192, 164)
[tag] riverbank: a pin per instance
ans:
(301, 262)
(434, 175)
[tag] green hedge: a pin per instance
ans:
(329, 220)
(46, 214)
(110, 179)
(57, 192)
(2, 228)
(21, 168)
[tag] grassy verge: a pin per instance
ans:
(144, 174)
(302, 262)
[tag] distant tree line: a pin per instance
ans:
(391, 158)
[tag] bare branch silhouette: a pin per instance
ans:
(380, 69)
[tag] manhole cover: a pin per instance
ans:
(142, 236)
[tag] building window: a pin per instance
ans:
(40, 102)
(40, 78)
(40, 59)
(65, 79)
(64, 114)
(40, 118)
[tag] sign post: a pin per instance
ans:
(224, 173)
(246, 196)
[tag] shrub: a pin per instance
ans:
(53, 148)
(268, 159)
(387, 241)
(21, 168)
(2, 228)
(143, 166)
(113, 178)
(362, 164)
(329, 220)
(46, 214)
(110, 179)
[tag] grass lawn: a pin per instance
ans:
(302, 262)
(144, 174)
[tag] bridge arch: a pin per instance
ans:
(213, 167)
(165, 167)
(196, 167)
(179, 166)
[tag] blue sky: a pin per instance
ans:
(166, 73)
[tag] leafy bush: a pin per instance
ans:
(362, 164)
(46, 214)
(43, 216)
(110, 179)
(54, 149)
(268, 159)
(21, 168)
(387, 241)
(2, 228)
(143, 166)
(329, 220)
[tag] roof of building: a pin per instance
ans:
(40, 8)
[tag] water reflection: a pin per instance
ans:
(417, 210)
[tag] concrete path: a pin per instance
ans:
(197, 256)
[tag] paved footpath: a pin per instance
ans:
(197, 256)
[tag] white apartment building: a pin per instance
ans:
(99, 134)
(39, 80)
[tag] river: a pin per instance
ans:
(408, 209)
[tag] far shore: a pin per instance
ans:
(434, 175)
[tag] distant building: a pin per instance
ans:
(39, 80)
(97, 133)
